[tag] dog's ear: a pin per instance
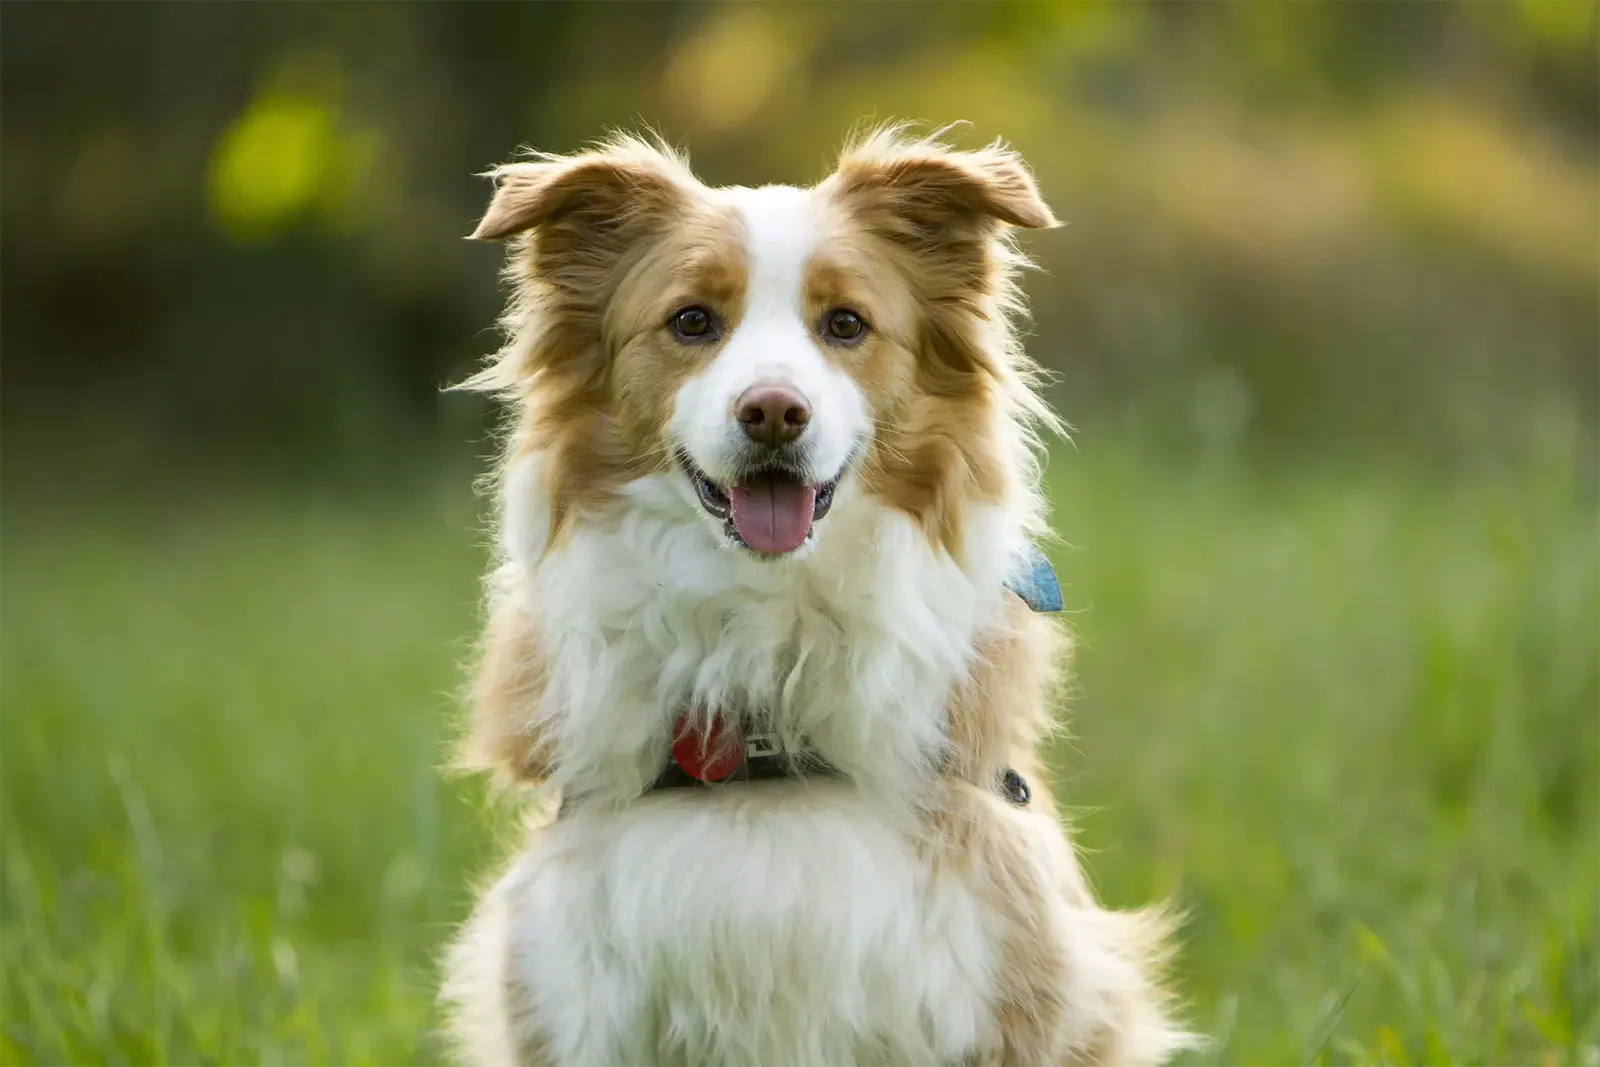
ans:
(624, 179)
(525, 194)
(922, 190)
(946, 212)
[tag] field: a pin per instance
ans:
(1346, 716)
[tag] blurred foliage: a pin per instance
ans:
(1320, 223)
(1343, 710)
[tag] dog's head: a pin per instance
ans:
(767, 344)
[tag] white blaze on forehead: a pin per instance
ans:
(774, 341)
(780, 226)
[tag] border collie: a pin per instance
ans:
(768, 630)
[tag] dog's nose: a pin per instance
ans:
(772, 414)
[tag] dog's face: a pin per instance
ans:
(764, 344)
(767, 421)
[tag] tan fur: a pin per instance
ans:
(510, 678)
(607, 244)
(938, 219)
(969, 835)
(940, 426)
(999, 714)
(1006, 854)
(588, 374)
(588, 370)
(997, 719)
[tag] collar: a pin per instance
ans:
(725, 758)
(729, 755)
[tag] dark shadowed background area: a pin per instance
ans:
(1325, 316)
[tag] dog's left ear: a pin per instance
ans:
(931, 189)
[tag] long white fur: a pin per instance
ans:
(787, 925)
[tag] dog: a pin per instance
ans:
(768, 632)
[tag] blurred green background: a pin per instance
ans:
(1326, 317)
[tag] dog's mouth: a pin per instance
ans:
(770, 511)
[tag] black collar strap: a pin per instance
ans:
(764, 761)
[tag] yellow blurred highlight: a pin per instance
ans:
(1390, 1048)
(722, 76)
(1283, 196)
(288, 156)
(270, 165)
(1442, 163)
(1562, 22)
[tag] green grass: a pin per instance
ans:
(1348, 719)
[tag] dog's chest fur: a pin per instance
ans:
(850, 650)
(772, 923)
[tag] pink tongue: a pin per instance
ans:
(773, 515)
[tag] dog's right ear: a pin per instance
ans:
(603, 188)
(523, 197)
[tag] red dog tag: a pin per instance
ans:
(710, 755)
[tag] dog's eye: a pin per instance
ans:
(844, 325)
(693, 324)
